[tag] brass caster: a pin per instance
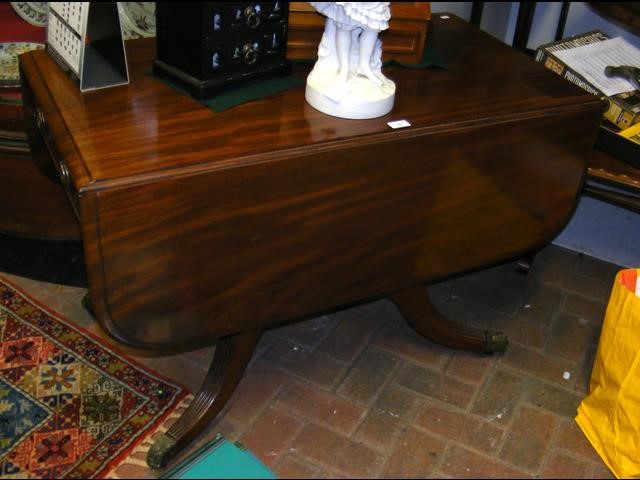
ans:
(161, 452)
(495, 341)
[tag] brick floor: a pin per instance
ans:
(358, 394)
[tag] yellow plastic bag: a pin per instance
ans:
(610, 415)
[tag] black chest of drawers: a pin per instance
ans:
(208, 47)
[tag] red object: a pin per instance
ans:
(629, 278)
(15, 29)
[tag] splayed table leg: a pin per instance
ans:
(230, 360)
(416, 308)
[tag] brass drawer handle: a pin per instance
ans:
(252, 17)
(250, 54)
(63, 169)
(38, 116)
(65, 176)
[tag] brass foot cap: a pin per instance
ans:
(495, 342)
(161, 452)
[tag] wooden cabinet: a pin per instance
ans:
(404, 41)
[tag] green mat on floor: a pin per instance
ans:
(220, 459)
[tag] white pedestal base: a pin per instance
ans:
(357, 98)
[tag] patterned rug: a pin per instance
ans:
(70, 407)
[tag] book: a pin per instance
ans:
(220, 458)
(623, 109)
(622, 144)
(632, 134)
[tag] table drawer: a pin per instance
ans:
(46, 154)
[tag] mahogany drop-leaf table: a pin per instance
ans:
(202, 227)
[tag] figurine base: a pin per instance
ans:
(357, 98)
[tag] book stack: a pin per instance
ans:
(619, 132)
(623, 109)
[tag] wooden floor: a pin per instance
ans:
(358, 394)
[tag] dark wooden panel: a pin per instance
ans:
(613, 180)
(31, 205)
(43, 258)
(241, 248)
(11, 122)
(606, 168)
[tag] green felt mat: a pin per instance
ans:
(220, 459)
(430, 58)
(266, 88)
(244, 93)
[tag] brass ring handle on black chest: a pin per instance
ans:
(252, 17)
(249, 54)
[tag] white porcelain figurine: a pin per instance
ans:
(347, 79)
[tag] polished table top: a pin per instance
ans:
(147, 129)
